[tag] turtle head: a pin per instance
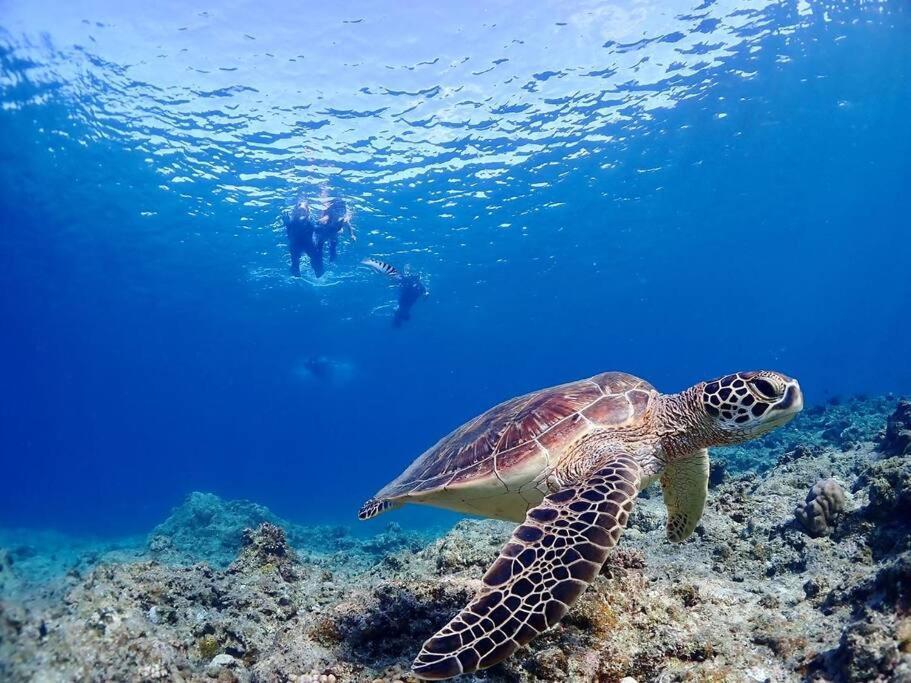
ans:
(745, 405)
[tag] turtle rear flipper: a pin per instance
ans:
(374, 507)
(550, 560)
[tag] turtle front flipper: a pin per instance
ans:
(550, 560)
(685, 484)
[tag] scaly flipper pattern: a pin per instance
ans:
(685, 483)
(550, 560)
(374, 507)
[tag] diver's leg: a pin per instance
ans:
(402, 313)
(295, 262)
(333, 248)
(316, 261)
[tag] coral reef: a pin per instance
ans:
(824, 504)
(769, 588)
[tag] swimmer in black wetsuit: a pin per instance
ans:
(334, 220)
(302, 239)
(410, 289)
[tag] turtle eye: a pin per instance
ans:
(765, 389)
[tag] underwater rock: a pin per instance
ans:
(800, 451)
(8, 578)
(219, 663)
(621, 560)
(842, 434)
(888, 589)
(867, 651)
(206, 528)
(472, 544)
(392, 540)
(886, 519)
(718, 472)
(888, 484)
(820, 511)
(383, 626)
(266, 549)
(646, 517)
(173, 622)
(897, 438)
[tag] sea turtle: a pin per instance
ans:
(567, 462)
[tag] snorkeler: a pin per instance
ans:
(318, 366)
(410, 289)
(330, 371)
(302, 239)
(336, 218)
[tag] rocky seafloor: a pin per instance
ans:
(799, 571)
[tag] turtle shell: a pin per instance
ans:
(534, 426)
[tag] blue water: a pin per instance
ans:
(673, 188)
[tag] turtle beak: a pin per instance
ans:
(792, 401)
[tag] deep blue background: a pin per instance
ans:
(146, 356)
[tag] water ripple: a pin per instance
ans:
(443, 97)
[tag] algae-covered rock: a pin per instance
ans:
(392, 540)
(206, 528)
(889, 489)
(221, 663)
(867, 652)
(897, 438)
(887, 590)
(266, 550)
(170, 622)
(384, 625)
(472, 544)
(8, 579)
